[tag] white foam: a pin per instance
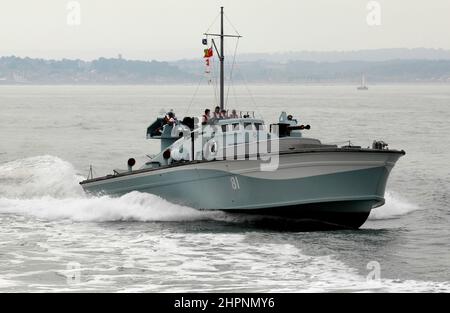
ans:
(47, 187)
(132, 206)
(286, 269)
(6, 283)
(394, 207)
(39, 176)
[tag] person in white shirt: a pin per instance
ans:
(223, 114)
(216, 113)
(233, 114)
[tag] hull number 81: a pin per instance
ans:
(234, 183)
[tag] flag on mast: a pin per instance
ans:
(208, 66)
(208, 53)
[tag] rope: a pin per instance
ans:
(339, 142)
(214, 79)
(246, 85)
(214, 21)
(194, 95)
(213, 75)
(231, 70)
(234, 93)
(202, 76)
(231, 24)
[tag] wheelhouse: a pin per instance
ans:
(240, 124)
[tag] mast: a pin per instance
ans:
(221, 57)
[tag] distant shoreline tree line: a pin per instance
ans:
(17, 70)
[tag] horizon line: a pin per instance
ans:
(273, 53)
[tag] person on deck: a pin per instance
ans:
(216, 113)
(223, 114)
(206, 117)
(233, 114)
(170, 118)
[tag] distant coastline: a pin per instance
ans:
(421, 66)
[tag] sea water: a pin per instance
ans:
(55, 238)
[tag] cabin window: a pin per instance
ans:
(259, 126)
(224, 128)
(235, 126)
(248, 126)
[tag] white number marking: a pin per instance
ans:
(234, 183)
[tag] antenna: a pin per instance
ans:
(91, 173)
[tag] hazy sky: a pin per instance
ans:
(169, 29)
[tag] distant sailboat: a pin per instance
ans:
(363, 83)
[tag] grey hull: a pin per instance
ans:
(314, 216)
(336, 188)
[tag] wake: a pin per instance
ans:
(394, 207)
(48, 187)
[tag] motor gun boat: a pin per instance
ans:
(238, 164)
